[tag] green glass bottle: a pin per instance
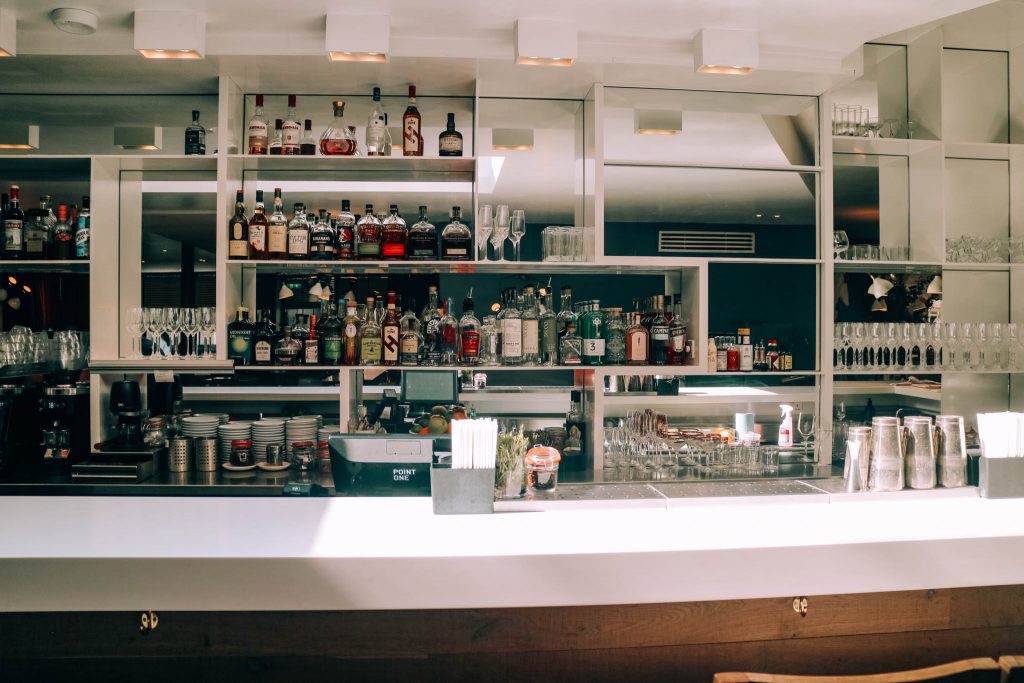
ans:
(592, 331)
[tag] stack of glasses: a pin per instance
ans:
(918, 454)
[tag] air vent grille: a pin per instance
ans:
(705, 242)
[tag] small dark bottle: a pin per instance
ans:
(307, 147)
(449, 142)
(263, 340)
(240, 333)
(195, 136)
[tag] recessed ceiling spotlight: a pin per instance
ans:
(73, 20)
(776, 215)
(758, 215)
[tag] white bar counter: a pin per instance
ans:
(132, 553)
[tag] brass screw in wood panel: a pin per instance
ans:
(148, 622)
(800, 606)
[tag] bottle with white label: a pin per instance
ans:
(712, 363)
(291, 130)
(531, 330)
(592, 332)
(746, 350)
(259, 130)
(298, 234)
(510, 322)
(786, 427)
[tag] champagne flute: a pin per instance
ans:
(153, 325)
(172, 327)
(484, 228)
(501, 221)
(135, 326)
(517, 228)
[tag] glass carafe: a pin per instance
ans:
(951, 450)
(920, 452)
(337, 139)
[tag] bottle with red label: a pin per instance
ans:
(394, 236)
(469, 333)
(449, 335)
(412, 139)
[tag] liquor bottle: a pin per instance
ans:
(489, 341)
(322, 239)
(337, 140)
(263, 339)
(660, 340)
(637, 342)
(431, 326)
(393, 236)
(291, 130)
(277, 230)
(722, 344)
(469, 333)
(412, 140)
(531, 330)
(378, 137)
(773, 357)
(570, 346)
(298, 234)
(574, 455)
(238, 231)
(712, 359)
(276, 147)
(49, 219)
(678, 334)
(566, 314)
(422, 239)
(63, 236)
(346, 231)
(300, 332)
(615, 337)
(510, 321)
(259, 133)
(732, 363)
(368, 236)
(391, 332)
(311, 343)
(548, 324)
(746, 363)
(258, 229)
(449, 142)
(240, 334)
(449, 335)
(82, 230)
(195, 136)
(14, 227)
(287, 351)
(370, 337)
(307, 146)
(350, 335)
(409, 339)
(36, 234)
(329, 331)
(456, 239)
(592, 331)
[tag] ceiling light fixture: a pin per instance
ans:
(879, 287)
(170, 34)
(285, 292)
(8, 32)
(518, 139)
(657, 121)
(546, 42)
(350, 38)
(935, 286)
(19, 136)
(139, 137)
(79, 22)
(725, 51)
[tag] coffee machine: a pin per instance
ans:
(64, 409)
(125, 456)
(126, 405)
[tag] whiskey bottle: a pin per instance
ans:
(291, 130)
(510, 322)
(49, 219)
(412, 140)
(258, 229)
(195, 136)
(469, 333)
(368, 236)
(259, 133)
(298, 234)
(370, 338)
(238, 231)
(83, 229)
(409, 340)
(240, 334)
(322, 239)
(422, 239)
(307, 147)
(449, 142)
(678, 333)
(14, 228)
(63, 236)
(263, 340)
(431, 327)
(456, 239)
(350, 327)
(345, 229)
(275, 142)
(393, 236)
(390, 334)
(329, 331)
(287, 351)
(637, 342)
(277, 230)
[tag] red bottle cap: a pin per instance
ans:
(259, 100)
(412, 92)
(62, 212)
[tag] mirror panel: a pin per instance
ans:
(975, 96)
(882, 90)
(871, 200)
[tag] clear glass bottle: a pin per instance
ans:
(456, 239)
(615, 337)
(431, 327)
(489, 341)
(322, 239)
(394, 236)
(307, 146)
(637, 342)
(275, 142)
(195, 136)
(36, 234)
(291, 130)
(390, 333)
(531, 329)
(259, 130)
(449, 335)
(337, 140)
(351, 327)
(287, 351)
(548, 323)
(592, 330)
(277, 230)
(566, 314)
(570, 346)
(422, 239)
(378, 137)
(409, 340)
(368, 236)
(298, 234)
(449, 142)
(470, 351)
(511, 323)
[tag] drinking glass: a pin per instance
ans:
(886, 468)
(838, 357)
(840, 243)
(905, 354)
(172, 325)
(951, 450)
(190, 324)
(920, 452)
(501, 221)
(996, 353)
(484, 228)
(878, 360)
(892, 343)
(517, 229)
(968, 347)
(1014, 351)
(135, 326)
(153, 318)
(859, 359)
(805, 424)
(858, 434)
(982, 359)
(950, 347)
(207, 326)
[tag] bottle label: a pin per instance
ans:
(298, 242)
(351, 331)
(369, 350)
(277, 241)
(451, 252)
(312, 352)
(450, 144)
(368, 249)
(332, 350)
(659, 333)
(236, 231)
(238, 344)
(746, 358)
(616, 346)
(412, 143)
(512, 338)
(549, 335)
(593, 347)
(238, 248)
(636, 348)
(193, 142)
(258, 238)
(262, 352)
(389, 340)
(13, 234)
(722, 361)
(410, 345)
(258, 133)
(531, 343)
(470, 344)
(679, 341)
(82, 237)
(393, 249)
(291, 134)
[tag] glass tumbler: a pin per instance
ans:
(920, 452)
(885, 472)
(951, 450)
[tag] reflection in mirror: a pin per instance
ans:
(730, 212)
(681, 126)
(871, 204)
(975, 96)
(882, 90)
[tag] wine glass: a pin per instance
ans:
(501, 225)
(859, 359)
(135, 326)
(805, 425)
(208, 326)
(878, 349)
(517, 228)
(484, 228)
(154, 325)
(190, 324)
(172, 325)
(840, 243)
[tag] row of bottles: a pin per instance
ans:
(294, 137)
(38, 234)
(346, 236)
(525, 332)
(736, 353)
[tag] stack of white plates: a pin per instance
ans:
(195, 426)
(304, 428)
(264, 433)
(232, 431)
(324, 433)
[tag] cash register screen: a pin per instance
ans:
(429, 386)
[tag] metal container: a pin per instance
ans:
(275, 454)
(885, 472)
(179, 454)
(951, 450)
(461, 491)
(919, 452)
(206, 454)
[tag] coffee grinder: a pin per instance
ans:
(125, 457)
(126, 405)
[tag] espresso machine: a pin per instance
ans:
(64, 410)
(125, 456)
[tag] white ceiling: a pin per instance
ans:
(448, 46)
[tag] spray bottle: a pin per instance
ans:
(786, 427)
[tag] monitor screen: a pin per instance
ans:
(429, 386)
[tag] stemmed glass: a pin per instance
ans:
(501, 226)
(207, 326)
(517, 228)
(484, 228)
(968, 352)
(190, 325)
(838, 356)
(950, 353)
(892, 344)
(877, 347)
(859, 359)
(840, 243)
(135, 326)
(153, 322)
(805, 425)
(172, 324)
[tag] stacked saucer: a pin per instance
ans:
(232, 431)
(264, 433)
(302, 429)
(196, 426)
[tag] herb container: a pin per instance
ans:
(542, 468)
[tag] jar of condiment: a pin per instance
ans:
(323, 457)
(302, 454)
(241, 454)
(542, 468)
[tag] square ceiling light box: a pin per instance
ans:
(512, 139)
(19, 136)
(350, 38)
(725, 51)
(8, 32)
(657, 121)
(546, 42)
(170, 34)
(139, 137)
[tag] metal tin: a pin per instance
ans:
(179, 454)
(206, 454)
